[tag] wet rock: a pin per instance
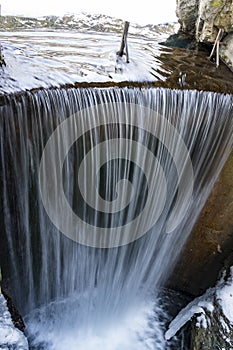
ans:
(226, 50)
(210, 243)
(181, 40)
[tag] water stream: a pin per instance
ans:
(100, 190)
(45, 52)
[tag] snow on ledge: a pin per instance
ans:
(197, 306)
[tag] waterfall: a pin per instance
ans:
(100, 189)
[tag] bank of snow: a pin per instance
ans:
(10, 337)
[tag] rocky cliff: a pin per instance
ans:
(204, 18)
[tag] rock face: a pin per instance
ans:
(209, 248)
(226, 51)
(212, 16)
(214, 329)
(211, 316)
(187, 13)
(211, 331)
(211, 240)
(203, 18)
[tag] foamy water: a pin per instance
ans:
(60, 326)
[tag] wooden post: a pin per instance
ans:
(216, 45)
(217, 54)
(124, 43)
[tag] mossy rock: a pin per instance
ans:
(217, 3)
(203, 18)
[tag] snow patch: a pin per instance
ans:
(225, 298)
(202, 322)
(10, 337)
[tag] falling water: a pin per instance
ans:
(100, 190)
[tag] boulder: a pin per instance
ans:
(212, 16)
(203, 18)
(211, 316)
(187, 13)
(214, 330)
(226, 50)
